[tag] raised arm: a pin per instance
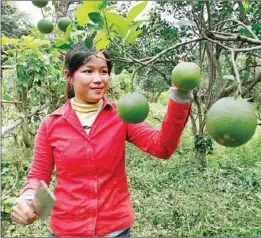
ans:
(163, 143)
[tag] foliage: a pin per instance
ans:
(14, 23)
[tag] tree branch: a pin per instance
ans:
(133, 75)
(252, 84)
(239, 23)
(233, 37)
(14, 102)
(248, 49)
(172, 48)
(239, 90)
(19, 121)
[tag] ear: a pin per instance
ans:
(68, 76)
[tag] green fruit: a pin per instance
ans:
(40, 4)
(63, 23)
(130, 70)
(133, 108)
(186, 76)
(231, 122)
(45, 26)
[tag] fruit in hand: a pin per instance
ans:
(231, 122)
(186, 76)
(133, 107)
(45, 26)
(40, 4)
(63, 23)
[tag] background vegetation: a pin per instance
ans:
(204, 189)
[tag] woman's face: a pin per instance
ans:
(90, 81)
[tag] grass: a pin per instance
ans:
(177, 197)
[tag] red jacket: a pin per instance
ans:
(92, 191)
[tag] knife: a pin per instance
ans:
(43, 201)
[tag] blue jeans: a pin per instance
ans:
(125, 233)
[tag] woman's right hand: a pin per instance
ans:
(22, 212)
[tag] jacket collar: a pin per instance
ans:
(70, 116)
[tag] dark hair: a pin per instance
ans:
(75, 58)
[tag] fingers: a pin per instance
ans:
(22, 213)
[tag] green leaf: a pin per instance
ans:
(94, 5)
(256, 26)
(135, 11)
(135, 25)
(245, 4)
(93, 26)
(81, 15)
(96, 18)
(101, 40)
(132, 36)
(103, 5)
(89, 43)
(82, 11)
(116, 23)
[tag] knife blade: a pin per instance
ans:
(43, 201)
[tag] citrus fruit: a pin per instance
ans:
(40, 4)
(45, 26)
(133, 107)
(63, 23)
(130, 70)
(186, 76)
(231, 122)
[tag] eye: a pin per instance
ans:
(88, 71)
(104, 71)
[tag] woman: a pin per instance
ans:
(85, 141)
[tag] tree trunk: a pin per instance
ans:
(61, 8)
(200, 156)
(27, 139)
(26, 133)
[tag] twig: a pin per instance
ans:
(133, 75)
(14, 102)
(190, 49)
(251, 66)
(239, 23)
(209, 39)
(247, 27)
(247, 49)
(171, 48)
(239, 88)
(233, 37)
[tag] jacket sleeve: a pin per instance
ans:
(161, 143)
(42, 163)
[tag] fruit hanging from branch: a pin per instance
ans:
(40, 4)
(63, 23)
(186, 76)
(45, 26)
(231, 122)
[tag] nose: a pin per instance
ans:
(97, 78)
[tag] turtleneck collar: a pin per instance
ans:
(85, 108)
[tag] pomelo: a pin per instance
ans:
(133, 107)
(231, 122)
(63, 23)
(40, 4)
(186, 76)
(45, 26)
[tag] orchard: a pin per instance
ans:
(209, 48)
